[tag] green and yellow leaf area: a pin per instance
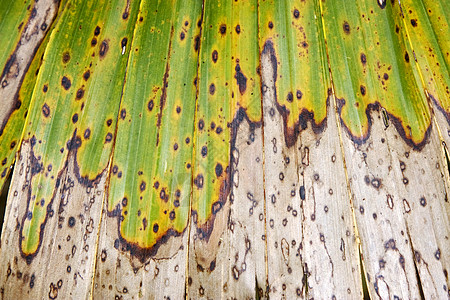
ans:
(22, 11)
(84, 64)
(428, 31)
(150, 184)
(14, 113)
(228, 94)
(372, 70)
(293, 35)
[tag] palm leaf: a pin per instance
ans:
(233, 149)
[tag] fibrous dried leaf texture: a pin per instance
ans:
(225, 149)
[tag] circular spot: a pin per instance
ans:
(363, 58)
(238, 29)
(86, 75)
(142, 186)
(66, 57)
(75, 118)
(45, 88)
(201, 124)
(182, 35)
(97, 31)
(46, 110)
(71, 222)
(155, 227)
(296, 13)
(204, 151)
(150, 105)
(290, 97)
(223, 29)
(103, 48)
(363, 90)
(270, 25)
(423, 201)
(87, 134)
(66, 83)
(80, 94)
(198, 181)
(346, 27)
(123, 43)
(212, 89)
(219, 169)
(215, 56)
(108, 137)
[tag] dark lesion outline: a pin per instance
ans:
(73, 144)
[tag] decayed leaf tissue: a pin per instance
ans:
(237, 149)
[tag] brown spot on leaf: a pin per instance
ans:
(97, 31)
(198, 181)
(346, 27)
(108, 137)
(204, 151)
(196, 43)
(241, 79)
(66, 83)
(215, 56)
(142, 186)
(363, 59)
(66, 57)
(80, 94)
(124, 42)
(87, 134)
(201, 124)
(86, 75)
(223, 29)
(238, 29)
(103, 48)
(414, 22)
(219, 169)
(150, 105)
(290, 97)
(46, 110)
(362, 88)
(212, 89)
(296, 13)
